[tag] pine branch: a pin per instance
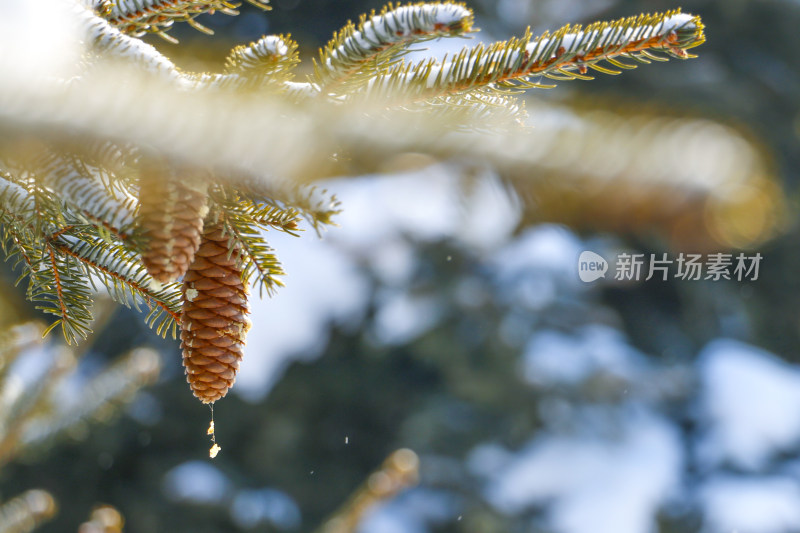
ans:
(113, 386)
(18, 410)
(317, 206)
(137, 17)
(262, 65)
(81, 189)
(60, 288)
(16, 214)
(260, 264)
(266, 58)
(109, 42)
(69, 226)
(318, 130)
(14, 341)
(479, 110)
(266, 63)
(566, 55)
(126, 279)
(398, 472)
(15, 202)
(26, 512)
(268, 214)
(104, 519)
(380, 40)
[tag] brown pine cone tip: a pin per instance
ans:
(214, 317)
(171, 216)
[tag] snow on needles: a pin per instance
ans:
(110, 40)
(750, 404)
(267, 49)
(611, 36)
(408, 20)
(400, 24)
(613, 485)
(739, 504)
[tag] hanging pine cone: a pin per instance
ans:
(213, 319)
(171, 210)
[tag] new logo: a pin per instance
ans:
(591, 266)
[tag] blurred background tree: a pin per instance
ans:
(459, 329)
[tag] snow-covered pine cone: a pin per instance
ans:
(171, 211)
(214, 316)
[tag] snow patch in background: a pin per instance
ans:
(324, 285)
(412, 511)
(595, 486)
(546, 247)
(750, 403)
(424, 204)
(196, 482)
(751, 505)
(430, 205)
(402, 317)
(393, 262)
(552, 357)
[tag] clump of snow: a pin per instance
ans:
(552, 357)
(750, 403)
(618, 484)
(751, 505)
(267, 45)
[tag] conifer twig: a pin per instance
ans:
(103, 519)
(31, 402)
(259, 258)
(399, 471)
(380, 39)
(78, 188)
(140, 16)
(98, 397)
(126, 279)
(26, 512)
(567, 54)
(264, 64)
